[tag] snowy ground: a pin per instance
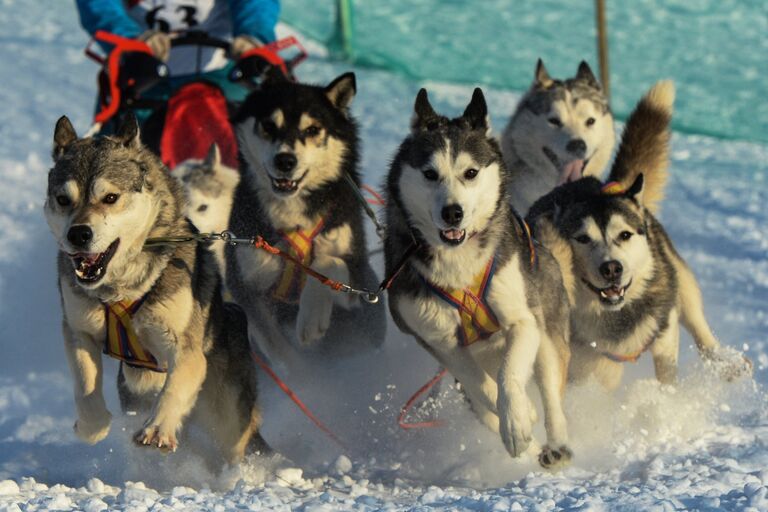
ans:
(702, 445)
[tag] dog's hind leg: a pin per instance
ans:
(665, 351)
(692, 310)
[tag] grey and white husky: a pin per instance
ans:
(560, 131)
(210, 187)
(299, 144)
(477, 293)
(628, 286)
(158, 309)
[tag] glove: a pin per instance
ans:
(158, 42)
(242, 44)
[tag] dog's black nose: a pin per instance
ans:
(611, 270)
(285, 162)
(576, 146)
(452, 214)
(79, 236)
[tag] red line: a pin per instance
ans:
(289, 392)
(409, 404)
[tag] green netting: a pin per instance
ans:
(715, 50)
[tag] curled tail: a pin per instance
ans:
(644, 144)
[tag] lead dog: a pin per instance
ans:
(156, 308)
(299, 144)
(560, 131)
(628, 286)
(476, 294)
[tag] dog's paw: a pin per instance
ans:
(554, 458)
(314, 319)
(93, 430)
(515, 424)
(157, 436)
(730, 364)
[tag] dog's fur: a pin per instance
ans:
(427, 175)
(620, 311)
(210, 187)
(312, 127)
(120, 193)
(559, 131)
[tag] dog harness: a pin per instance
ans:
(631, 358)
(612, 188)
(299, 245)
(477, 321)
(122, 342)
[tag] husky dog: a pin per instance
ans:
(560, 131)
(157, 308)
(628, 286)
(210, 186)
(476, 293)
(299, 144)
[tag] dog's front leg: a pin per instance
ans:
(317, 299)
(182, 385)
(84, 357)
(479, 386)
(522, 345)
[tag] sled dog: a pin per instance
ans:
(156, 308)
(560, 131)
(209, 186)
(298, 143)
(477, 293)
(628, 286)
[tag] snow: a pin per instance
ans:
(702, 444)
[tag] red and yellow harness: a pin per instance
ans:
(122, 342)
(477, 320)
(299, 244)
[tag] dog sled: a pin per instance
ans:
(181, 117)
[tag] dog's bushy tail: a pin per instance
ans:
(644, 144)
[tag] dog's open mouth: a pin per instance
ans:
(569, 171)
(286, 186)
(612, 295)
(91, 267)
(453, 236)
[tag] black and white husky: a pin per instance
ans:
(628, 286)
(298, 142)
(560, 131)
(477, 294)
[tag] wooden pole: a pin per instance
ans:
(602, 47)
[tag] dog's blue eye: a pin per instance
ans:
(625, 235)
(555, 121)
(582, 239)
(470, 174)
(312, 131)
(430, 174)
(63, 200)
(590, 121)
(110, 199)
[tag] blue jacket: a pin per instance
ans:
(255, 18)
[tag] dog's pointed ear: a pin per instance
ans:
(213, 158)
(341, 91)
(128, 132)
(63, 135)
(635, 191)
(541, 77)
(273, 75)
(424, 116)
(476, 113)
(585, 74)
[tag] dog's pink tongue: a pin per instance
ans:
(571, 171)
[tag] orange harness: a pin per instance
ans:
(122, 342)
(299, 245)
(477, 321)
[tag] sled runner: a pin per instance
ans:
(182, 116)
